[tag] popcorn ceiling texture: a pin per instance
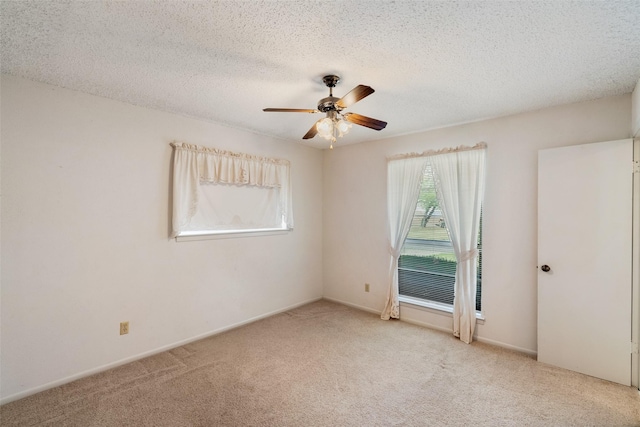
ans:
(432, 64)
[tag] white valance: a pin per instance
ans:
(195, 165)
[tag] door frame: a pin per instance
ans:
(635, 290)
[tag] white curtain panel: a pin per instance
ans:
(194, 166)
(403, 188)
(459, 178)
(185, 187)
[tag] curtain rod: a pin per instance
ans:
(428, 153)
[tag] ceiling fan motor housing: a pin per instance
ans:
(328, 104)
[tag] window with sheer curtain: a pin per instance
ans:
(427, 264)
(221, 192)
(458, 176)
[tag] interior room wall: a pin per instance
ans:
(85, 226)
(354, 212)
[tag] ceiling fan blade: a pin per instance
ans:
(312, 132)
(356, 94)
(289, 110)
(364, 121)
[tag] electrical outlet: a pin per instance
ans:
(366, 287)
(124, 328)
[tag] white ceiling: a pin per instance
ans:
(432, 64)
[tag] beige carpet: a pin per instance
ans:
(325, 364)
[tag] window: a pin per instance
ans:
(218, 192)
(427, 264)
(224, 208)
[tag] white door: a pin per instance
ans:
(585, 240)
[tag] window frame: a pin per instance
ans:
(190, 236)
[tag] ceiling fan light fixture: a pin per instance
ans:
(325, 128)
(332, 127)
(343, 126)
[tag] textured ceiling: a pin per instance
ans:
(432, 64)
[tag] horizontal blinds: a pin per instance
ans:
(428, 285)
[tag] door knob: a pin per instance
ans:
(545, 268)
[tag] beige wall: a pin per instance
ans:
(354, 211)
(85, 218)
(85, 223)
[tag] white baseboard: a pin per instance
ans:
(526, 351)
(426, 325)
(440, 328)
(475, 337)
(359, 307)
(130, 359)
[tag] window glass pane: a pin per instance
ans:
(427, 264)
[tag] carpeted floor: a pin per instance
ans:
(325, 364)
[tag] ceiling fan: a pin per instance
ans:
(336, 123)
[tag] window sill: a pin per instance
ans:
(190, 236)
(434, 307)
